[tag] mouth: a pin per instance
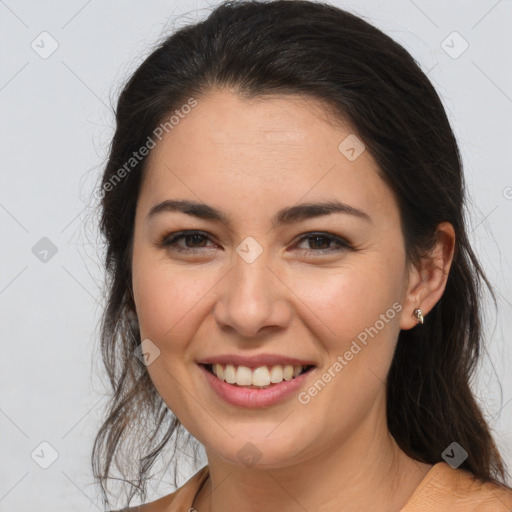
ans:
(262, 377)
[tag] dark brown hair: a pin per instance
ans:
(364, 77)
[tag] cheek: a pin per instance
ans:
(355, 314)
(345, 302)
(167, 299)
(170, 307)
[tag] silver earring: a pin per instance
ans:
(418, 314)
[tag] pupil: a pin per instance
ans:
(317, 238)
(195, 237)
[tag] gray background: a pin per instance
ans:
(56, 125)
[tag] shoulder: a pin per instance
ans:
(445, 488)
(180, 500)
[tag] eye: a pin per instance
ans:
(193, 240)
(324, 240)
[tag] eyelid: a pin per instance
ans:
(170, 238)
(336, 239)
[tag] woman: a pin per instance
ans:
(291, 274)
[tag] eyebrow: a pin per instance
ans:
(285, 216)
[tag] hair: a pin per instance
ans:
(361, 76)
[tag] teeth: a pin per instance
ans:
(288, 372)
(276, 374)
(243, 376)
(217, 369)
(229, 374)
(262, 376)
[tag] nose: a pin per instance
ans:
(252, 299)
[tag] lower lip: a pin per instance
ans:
(245, 397)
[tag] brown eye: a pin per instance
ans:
(320, 243)
(193, 240)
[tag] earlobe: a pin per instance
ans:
(412, 299)
(427, 284)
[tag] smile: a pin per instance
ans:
(262, 377)
(289, 380)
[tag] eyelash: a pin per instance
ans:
(170, 240)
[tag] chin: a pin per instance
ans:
(258, 451)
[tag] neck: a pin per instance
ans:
(352, 475)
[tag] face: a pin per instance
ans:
(251, 279)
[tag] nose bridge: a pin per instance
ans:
(251, 298)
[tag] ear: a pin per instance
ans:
(426, 284)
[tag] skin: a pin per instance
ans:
(251, 159)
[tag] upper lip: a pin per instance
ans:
(256, 360)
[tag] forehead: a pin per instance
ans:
(280, 149)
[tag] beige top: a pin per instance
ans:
(443, 489)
